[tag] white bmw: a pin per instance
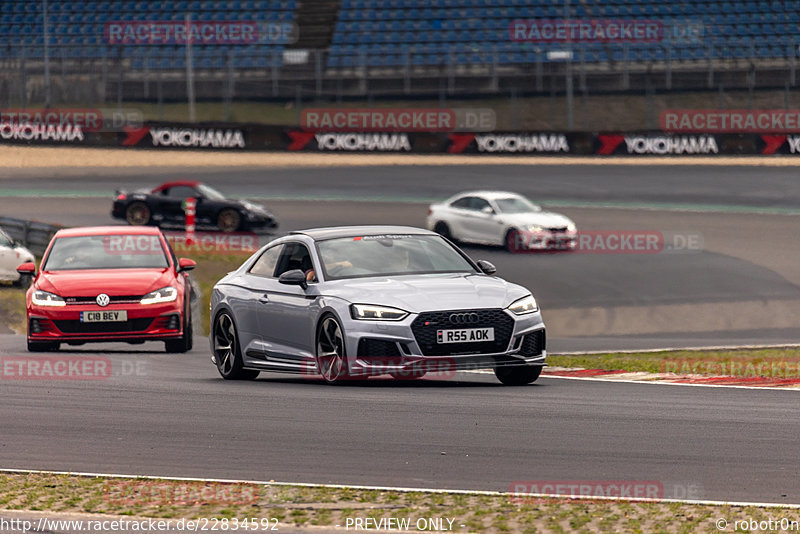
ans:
(501, 218)
(12, 255)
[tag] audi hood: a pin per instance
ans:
(418, 293)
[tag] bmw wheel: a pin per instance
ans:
(443, 230)
(227, 354)
(519, 375)
(331, 356)
(137, 214)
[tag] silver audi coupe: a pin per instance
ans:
(361, 301)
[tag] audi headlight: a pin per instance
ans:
(43, 298)
(367, 312)
(534, 228)
(524, 305)
(571, 227)
(165, 294)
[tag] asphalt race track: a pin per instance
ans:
(172, 415)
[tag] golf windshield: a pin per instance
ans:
(390, 254)
(106, 252)
(516, 205)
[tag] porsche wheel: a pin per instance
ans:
(229, 220)
(138, 214)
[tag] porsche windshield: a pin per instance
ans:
(516, 205)
(106, 252)
(385, 255)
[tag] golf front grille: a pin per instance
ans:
(427, 324)
(77, 327)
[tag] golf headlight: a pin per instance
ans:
(367, 312)
(524, 305)
(43, 298)
(165, 294)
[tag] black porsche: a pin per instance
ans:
(164, 206)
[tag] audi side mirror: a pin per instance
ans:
(487, 210)
(486, 267)
(295, 277)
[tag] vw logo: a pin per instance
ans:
(102, 300)
(464, 318)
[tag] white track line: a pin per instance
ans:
(403, 489)
(674, 349)
(663, 382)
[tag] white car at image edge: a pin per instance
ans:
(503, 219)
(12, 255)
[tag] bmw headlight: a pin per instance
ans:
(524, 305)
(165, 294)
(43, 298)
(368, 312)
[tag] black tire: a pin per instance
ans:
(331, 355)
(518, 376)
(24, 281)
(229, 220)
(183, 343)
(138, 214)
(43, 346)
(227, 353)
(512, 241)
(443, 230)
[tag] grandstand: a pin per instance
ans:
(362, 46)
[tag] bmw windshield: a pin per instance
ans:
(106, 252)
(389, 255)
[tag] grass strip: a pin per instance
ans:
(331, 507)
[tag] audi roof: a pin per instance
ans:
(321, 234)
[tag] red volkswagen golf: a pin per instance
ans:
(112, 283)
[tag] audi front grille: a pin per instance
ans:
(426, 325)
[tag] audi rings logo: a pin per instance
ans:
(102, 300)
(464, 318)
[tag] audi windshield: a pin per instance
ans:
(106, 252)
(390, 255)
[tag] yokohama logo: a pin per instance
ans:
(369, 142)
(197, 138)
(522, 143)
(659, 145)
(40, 132)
